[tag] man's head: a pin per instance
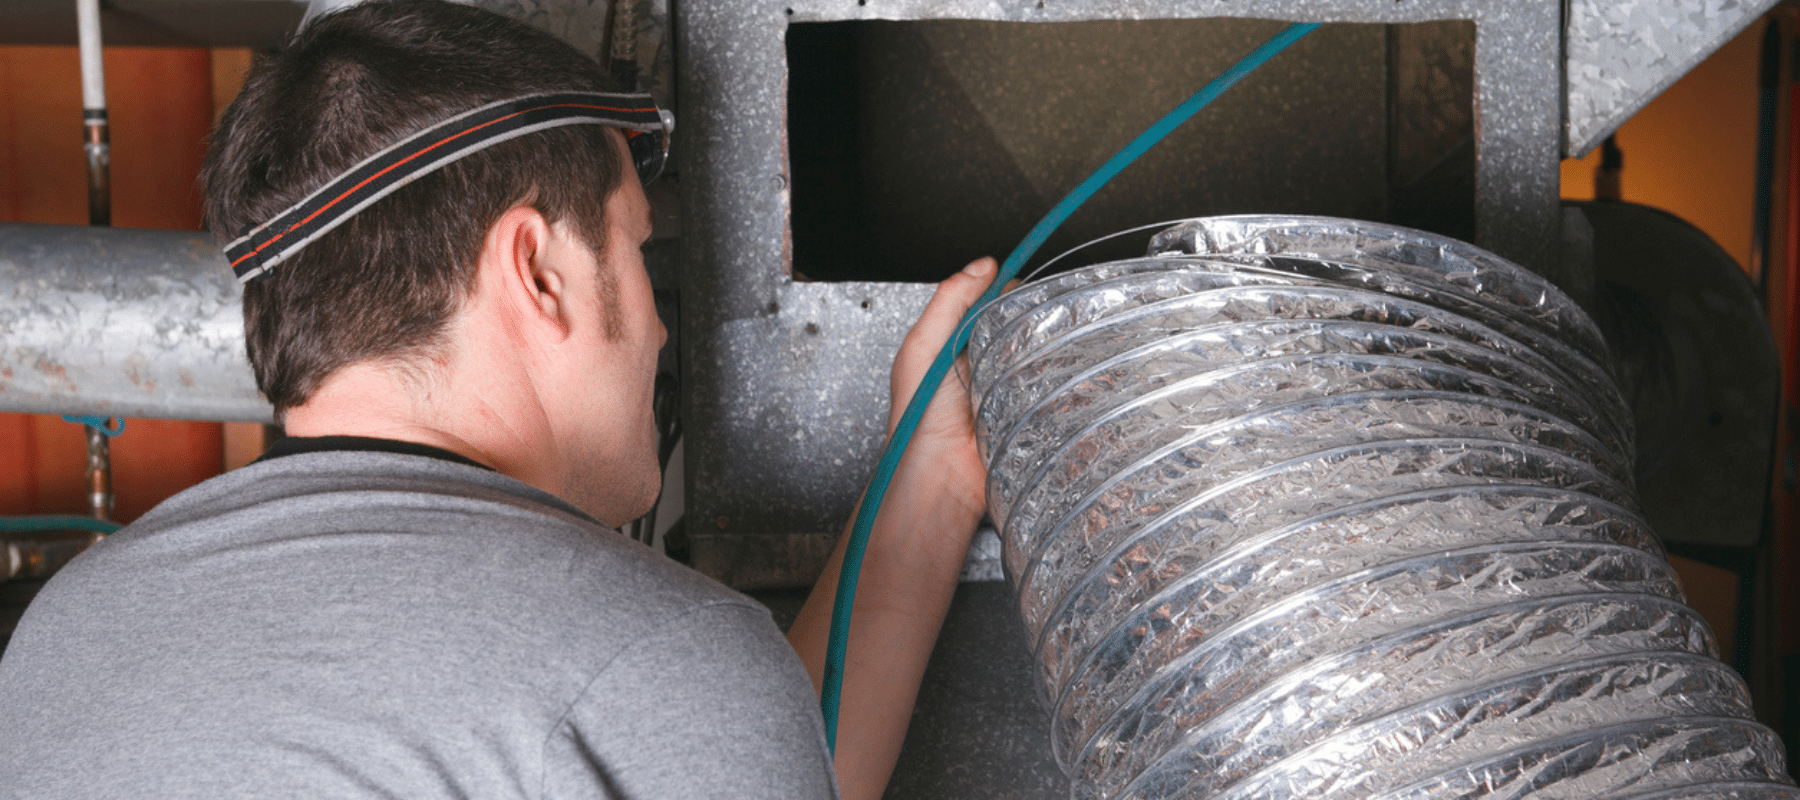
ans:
(384, 285)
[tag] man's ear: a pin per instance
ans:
(519, 267)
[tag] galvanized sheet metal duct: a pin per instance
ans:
(1304, 507)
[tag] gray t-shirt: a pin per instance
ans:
(361, 624)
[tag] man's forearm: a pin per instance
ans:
(915, 553)
(914, 557)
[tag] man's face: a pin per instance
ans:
(608, 428)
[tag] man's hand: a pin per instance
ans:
(914, 558)
(946, 435)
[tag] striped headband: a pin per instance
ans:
(646, 127)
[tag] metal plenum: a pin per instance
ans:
(1306, 507)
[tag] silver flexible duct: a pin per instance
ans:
(1303, 507)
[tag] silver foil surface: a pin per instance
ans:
(1307, 507)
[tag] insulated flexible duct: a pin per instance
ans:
(1304, 507)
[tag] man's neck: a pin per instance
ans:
(379, 402)
(298, 445)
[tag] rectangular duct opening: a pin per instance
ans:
(917, 146)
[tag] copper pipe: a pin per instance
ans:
(97, 144)
(99, 474)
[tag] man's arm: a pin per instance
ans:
(708, 704)
(914, 556)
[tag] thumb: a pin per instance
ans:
(938, 323)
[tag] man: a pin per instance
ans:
(414, 595)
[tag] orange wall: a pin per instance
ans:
(161, 107)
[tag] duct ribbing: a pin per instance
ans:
(1303, 507)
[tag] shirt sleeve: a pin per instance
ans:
(713, 703)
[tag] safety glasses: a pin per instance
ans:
(650, 149)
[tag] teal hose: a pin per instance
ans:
(48, 523)
(110, 426)
(909, 421)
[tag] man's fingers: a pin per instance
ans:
(954, 297)
(936, 325)
(959, 292)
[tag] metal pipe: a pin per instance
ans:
(1299, 507)
(121, 322)
(99, 473)
(97, 144)
(622, 48)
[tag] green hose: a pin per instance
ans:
(51, 523)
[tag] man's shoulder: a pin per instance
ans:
(444, 619)
(439, 542)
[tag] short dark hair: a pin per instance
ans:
(384, 285)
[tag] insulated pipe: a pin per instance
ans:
(121, 322)
(1302, 507)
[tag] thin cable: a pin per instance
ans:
(1039, 269)
(975, 310)
(837, 642)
